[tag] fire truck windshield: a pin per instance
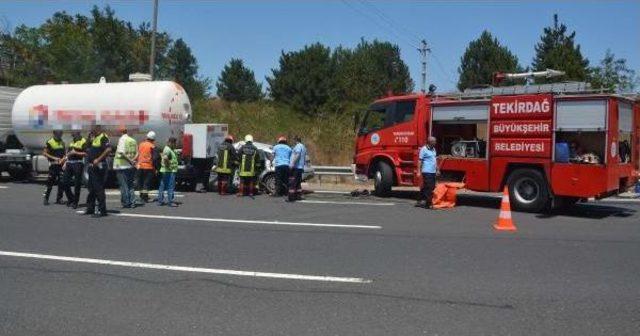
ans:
(374, 119)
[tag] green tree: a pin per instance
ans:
(181, 66)
(558, 50)
(238, 83)
(613, 74)
(371, 70)
(24, 52)
(304, 79)
(482, 58)
(112, 40)
(68, 51)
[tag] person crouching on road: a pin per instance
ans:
(428, 168)
(74, 167)
(282, 159)
(168, 170)
(145, 171)
(251, 162)
(124, 165)
(298, 158)
(97, 168)
(227, 157)
(54, 151)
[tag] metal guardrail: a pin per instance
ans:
(332, 170)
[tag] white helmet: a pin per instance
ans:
(248, 138)
(151, 135)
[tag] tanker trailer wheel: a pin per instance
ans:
(528, 190)
(383, 179)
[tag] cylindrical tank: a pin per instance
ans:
(141, 107)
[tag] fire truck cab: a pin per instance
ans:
(551, 144)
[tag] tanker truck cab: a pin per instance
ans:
(550, 145)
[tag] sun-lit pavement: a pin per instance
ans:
(332, 265)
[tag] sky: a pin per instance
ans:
(258, 31)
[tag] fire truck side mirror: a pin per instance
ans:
(356, 122)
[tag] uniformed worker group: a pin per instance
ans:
(137, 165)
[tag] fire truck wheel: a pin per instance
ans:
(383, 179)
(528, 190)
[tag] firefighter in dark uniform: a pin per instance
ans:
(74, 167)
(250, 162)
(54, 151)
(97, 153)
(227, 158)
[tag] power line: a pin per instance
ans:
(377, 23)
(394, 24)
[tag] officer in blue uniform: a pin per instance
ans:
(281, 160)
(428, 168)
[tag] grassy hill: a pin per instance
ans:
(329, 139)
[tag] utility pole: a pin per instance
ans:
(152, 57)
(423, 52)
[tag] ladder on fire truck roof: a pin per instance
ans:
(553, 88)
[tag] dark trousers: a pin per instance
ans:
(295, 184)
(247, 186)
(224, 180)
(144, 177)
(282, 180)
(428, 184)
(97, 178)
(202, 170)
(73, 176)
(54, 177)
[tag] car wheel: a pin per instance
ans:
(528, 190)
(383, 179)
(268, 183)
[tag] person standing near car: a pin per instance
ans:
(124, 165)
(250, 163)
(225, 167)
(296, 166)
(281, 160)
(97, 167)
(145, 169)
(74, 167)
(168, 170)
(54, 151)
(427, 166)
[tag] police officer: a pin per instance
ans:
(227, 157)
(281, 160)
(428, 168)
(74, 167)
(97, 167)
(54, 151)
(250, 163)
(298, 157)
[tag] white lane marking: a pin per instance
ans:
(152, 193)
(186, 268)
(618, 200)
(249, 221)
(4, 187)
(330, 192)
(346, 203)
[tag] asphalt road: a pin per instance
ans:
(331, 266)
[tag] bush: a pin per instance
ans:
(329, 138)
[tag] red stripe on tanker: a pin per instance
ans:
(521, 147)
(522, 107)
(537, 128)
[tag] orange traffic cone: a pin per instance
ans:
(505, 223)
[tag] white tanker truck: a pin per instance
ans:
(142, 106)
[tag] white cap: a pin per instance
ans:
(151, 135)
(248, 138)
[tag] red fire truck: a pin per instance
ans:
(551, 144)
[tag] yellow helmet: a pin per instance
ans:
(248, 138)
